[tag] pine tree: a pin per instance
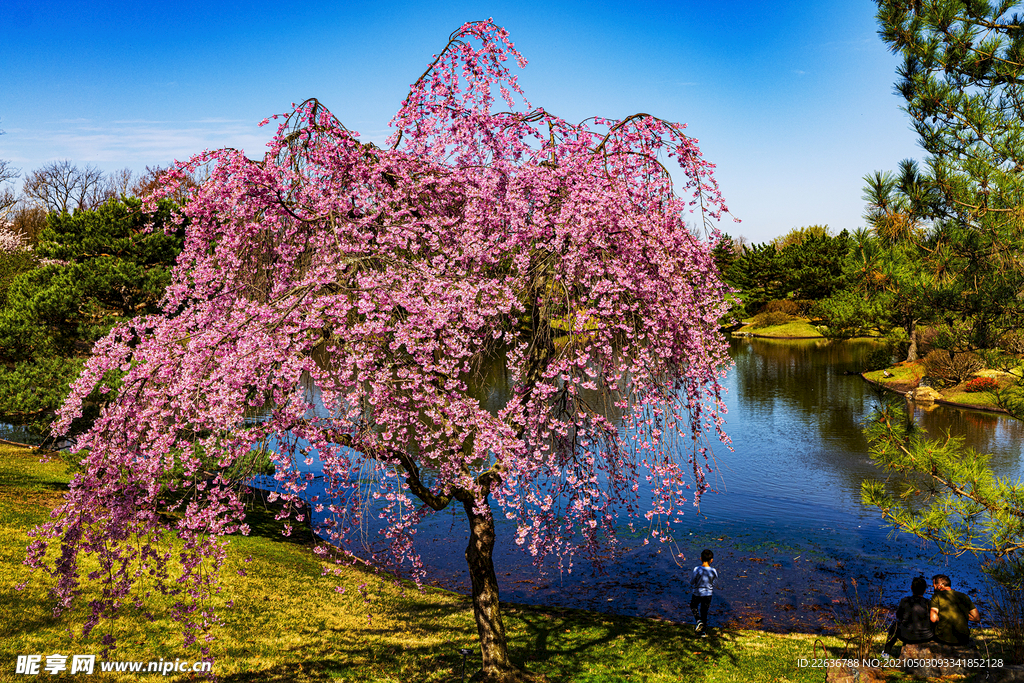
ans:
(961, 79)
(98, 267)
(959, 226)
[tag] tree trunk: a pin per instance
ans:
(912, 335)
(493, 643)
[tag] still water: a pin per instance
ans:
(785, 519)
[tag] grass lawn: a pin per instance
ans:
(982, 399)
(902, 374)
(906, 375)
(289, 623)
(794, 329)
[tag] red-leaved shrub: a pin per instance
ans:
(980, 384)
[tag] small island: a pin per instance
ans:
(962, 379)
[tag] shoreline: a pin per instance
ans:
(939, 401)
(899, 387)
(768, 336)
(767, 586)
(771, 585)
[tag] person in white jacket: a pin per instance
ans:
(703, 582)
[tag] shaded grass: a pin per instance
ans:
(283, 620)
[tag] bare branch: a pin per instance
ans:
(62, 187)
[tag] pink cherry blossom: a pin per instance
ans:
(489, 238)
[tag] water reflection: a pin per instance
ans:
(986, 432)
(19, 435)
(795, 419)
(785, 518)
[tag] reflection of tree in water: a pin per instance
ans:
(801, 385)
(998, 435)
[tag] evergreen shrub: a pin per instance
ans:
(880, 358)
(787, 306)
(13, 264)
(804, 306)
(770, 318)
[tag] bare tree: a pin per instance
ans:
(7, 172)
(28, 220)
(62, 186)
(153, 178)
(8, 198)
(120, 184)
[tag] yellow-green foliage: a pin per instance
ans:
(794, 329)
(900, 374)
(981, 399)
(771, 319)
(797, 236)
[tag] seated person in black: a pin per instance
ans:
(913, 617)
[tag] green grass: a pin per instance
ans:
(798, 328)
(905, 374)
(982, 399)
(902, 373)
(288, 623)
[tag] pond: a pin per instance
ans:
(785, 518)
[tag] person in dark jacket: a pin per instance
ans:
(913, 618)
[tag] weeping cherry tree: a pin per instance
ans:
(388, 278)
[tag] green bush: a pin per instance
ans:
(926, 337)
(787, 306)
(103, 266)
(804, 306)
(999, 360)
(880, 358)
(13, 264)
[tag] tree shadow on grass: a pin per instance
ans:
(364, 658)
(352, 667)
(310, 671)
(28, 482)
(25, 486)
(558, 645)
(583, 646)
(22, 614)
(260, 515)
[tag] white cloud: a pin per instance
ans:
(134, 143)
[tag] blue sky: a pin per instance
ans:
(792, 100)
